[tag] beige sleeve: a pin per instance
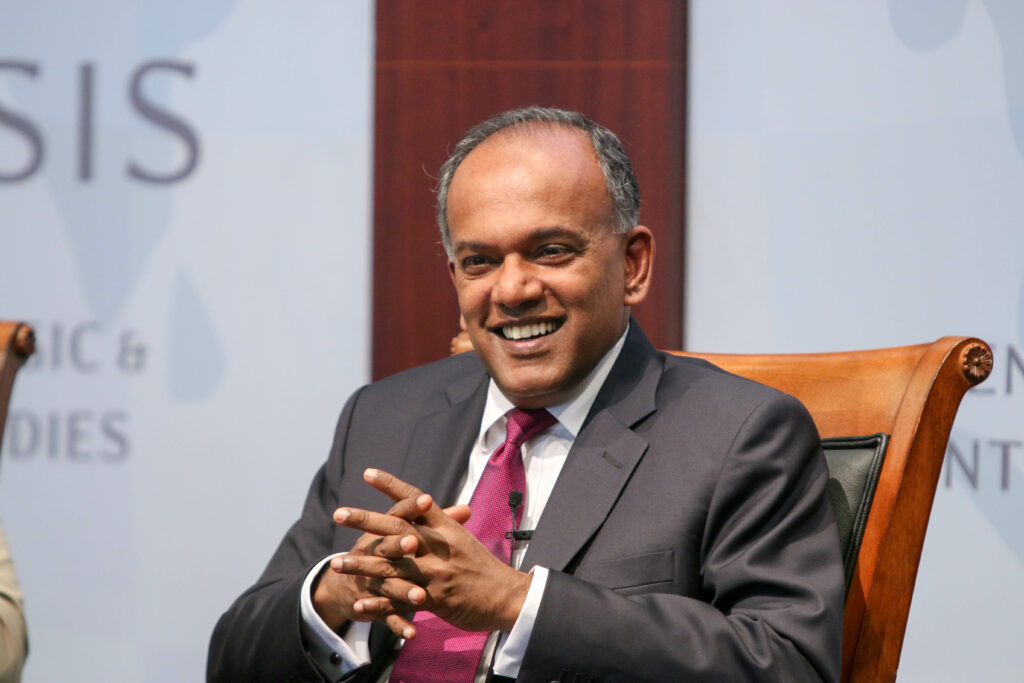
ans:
(13, 635)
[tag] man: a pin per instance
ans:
(681, 528)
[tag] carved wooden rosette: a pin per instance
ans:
(976, 362)
(17, 343)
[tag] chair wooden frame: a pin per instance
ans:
(17, 343)
(911, 394)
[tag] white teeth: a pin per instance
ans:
(528, 331)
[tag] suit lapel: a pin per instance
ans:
(441, 441)
(599, 465)
(601, 459)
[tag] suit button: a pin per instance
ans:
(335, 658)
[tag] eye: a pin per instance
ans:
(475, 264)
(554, 253)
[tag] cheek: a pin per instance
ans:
(471, 298)
(591, 297)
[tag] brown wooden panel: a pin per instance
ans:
(444, 66)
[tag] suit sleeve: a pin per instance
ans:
(258, 638)
(771, 607)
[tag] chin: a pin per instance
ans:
(530, 393)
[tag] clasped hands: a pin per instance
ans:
(417, 556)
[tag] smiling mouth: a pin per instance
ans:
(529, 331)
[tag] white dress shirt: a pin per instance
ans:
(543, 457)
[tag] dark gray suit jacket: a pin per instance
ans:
(688, 533)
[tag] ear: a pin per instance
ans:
(639, 247)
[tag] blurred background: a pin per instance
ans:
(218, 217)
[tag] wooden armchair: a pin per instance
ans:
(17, 343)
(884, 416)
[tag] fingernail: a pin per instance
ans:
(341, 515)
(422, 500)
(358, 608)
(408, 633)
(371, 473)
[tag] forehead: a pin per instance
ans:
(530, 172)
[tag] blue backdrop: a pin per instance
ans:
(856, 180)
(184, 216)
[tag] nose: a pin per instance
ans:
(517, 288)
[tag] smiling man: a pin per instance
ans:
(544, 279)
(678, 524)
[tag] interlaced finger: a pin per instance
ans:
(372, 522)
(408, 508)
(400, 626)
(375, 607)
(390, 485)
(376, 567)
(399, 591)
(394, 547)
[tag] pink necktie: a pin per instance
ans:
(441, 653)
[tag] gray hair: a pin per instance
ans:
(618, 172)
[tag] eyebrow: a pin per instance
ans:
(537, 235)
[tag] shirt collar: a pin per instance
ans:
(570, 414)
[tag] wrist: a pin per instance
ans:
(516, 597)
(325, 601)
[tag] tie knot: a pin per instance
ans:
(522, 424)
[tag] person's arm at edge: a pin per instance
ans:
(13, 632)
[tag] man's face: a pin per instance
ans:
(543, 284)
